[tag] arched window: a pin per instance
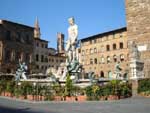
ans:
(115, 58)
(109, 74)
(121, 45)
(107, 47)
(108, 59)
(122, 57)
(102, 74)
(114, 47)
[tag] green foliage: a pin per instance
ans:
(92, 92)
(68, 86)
(144, 85)
(125, 89)
(115, 87)
(26, 88)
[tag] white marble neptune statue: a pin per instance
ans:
(72, 40)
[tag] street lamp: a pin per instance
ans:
(18, 88)
(34, 84)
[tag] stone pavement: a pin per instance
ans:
(130, 105)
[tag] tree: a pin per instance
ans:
(68, 86)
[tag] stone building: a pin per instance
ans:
(56, 60)
(41, 51)
(101, 52)
(138, 28)
(47, 57)
(16, 43)
(60, 43)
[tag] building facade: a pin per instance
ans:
(16, 44)
(56, 60)
(101, 52)
(41, 51)
(138, 28)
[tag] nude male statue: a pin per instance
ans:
(72, 40)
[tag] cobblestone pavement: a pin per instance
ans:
(131, 105)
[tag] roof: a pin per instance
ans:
(6, 21)
(104, 34)
(40, 40)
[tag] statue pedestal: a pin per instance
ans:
(136, 73)
(136, 69)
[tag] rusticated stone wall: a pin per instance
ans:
(138, 28)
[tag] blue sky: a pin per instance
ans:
(91, 16)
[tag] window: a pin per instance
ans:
(91, 50)
(8, 35)
(115, 58)
(121, 35)
(121, 45)
(37, 67)
(95, 60)
(102, 60)
(42, 67)
(95, 50)
(91, 61)
(7, 55)
(18, 37)
(27, 57)
(37, 57)
(95, 41)
(90, 41)
(107, 47)
(42, 45)
(102, 74)
(121, 57)
(114, 35)
(114, 47)
(52, 60)
(18, 56)
(45, 45)
(108, 59)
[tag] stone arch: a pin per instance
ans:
(102, 74)
(110, 74)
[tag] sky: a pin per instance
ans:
(91, 16)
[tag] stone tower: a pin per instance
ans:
(138, 28)
(37, 33)
(60, 43)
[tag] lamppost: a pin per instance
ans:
(18, 88)
(34, 84)
(37, 92)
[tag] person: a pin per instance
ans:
(72, 39)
